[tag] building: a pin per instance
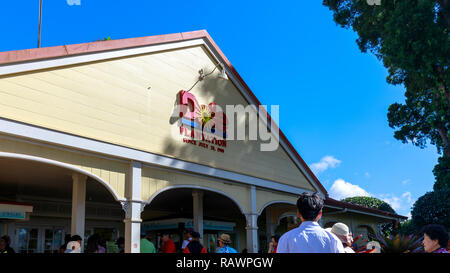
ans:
(89, 144)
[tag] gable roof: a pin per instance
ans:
(37, 54)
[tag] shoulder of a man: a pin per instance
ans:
(283, 242)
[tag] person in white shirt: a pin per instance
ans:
(309, 237)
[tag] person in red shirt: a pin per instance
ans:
(195, 246)
(168, 245)
(274, 243)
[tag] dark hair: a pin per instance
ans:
(67, 238)
(309, 205)
(276, 237)
(76, 238)
(437, 232)
(7, 239)
(195, 235)
(92, 243)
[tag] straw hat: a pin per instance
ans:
(225, 238)
(340, 229)
(375, 246)
(73, 247)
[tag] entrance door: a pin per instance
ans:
(53, 239)
(39, 239)
(27, 240)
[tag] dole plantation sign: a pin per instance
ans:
(202, 125)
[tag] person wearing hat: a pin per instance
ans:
(194, 245)
(341, 231)
(224, 244)
(73, 247)
(146, 245)
(187, 237)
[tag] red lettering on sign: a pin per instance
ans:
(188, 105)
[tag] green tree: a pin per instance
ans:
(432, 208)
(411, 37)
(387, 228)
(407, 228)
(370, 202)
(442, 173)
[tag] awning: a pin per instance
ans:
(13, 210)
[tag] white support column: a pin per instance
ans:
(197, 197)
(78, 206)
(133, 207)
(252, 223)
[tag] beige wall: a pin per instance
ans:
(265, 197)
(111, 101)
(154, 180)
(358, 219)
(112, 172)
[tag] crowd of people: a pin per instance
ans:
(309, 237)
(191, 244)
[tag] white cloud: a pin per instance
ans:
(394, 201)
(341, 189)
(73, 2)
(408, 196)
(402, 205)
(325, 163)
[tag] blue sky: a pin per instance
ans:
(333, 99)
